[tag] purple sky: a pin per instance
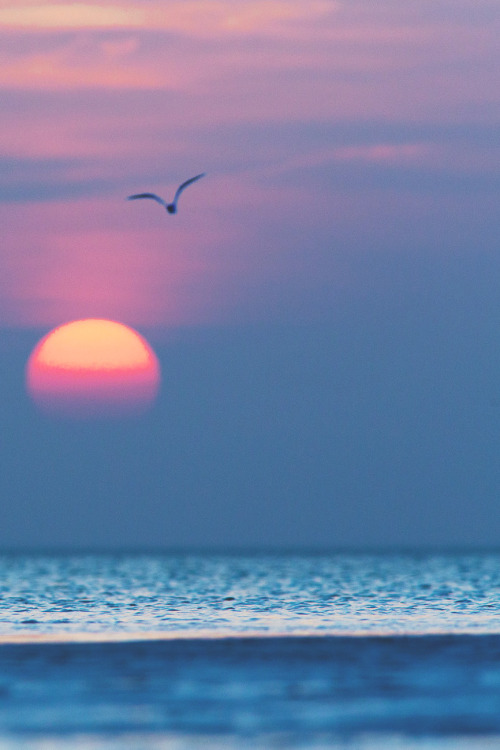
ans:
(328, 131)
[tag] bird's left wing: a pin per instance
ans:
(185, 184)
(153, 196)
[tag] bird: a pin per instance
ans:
(170, 207)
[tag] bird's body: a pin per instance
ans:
(170, 207)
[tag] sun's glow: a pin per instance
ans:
(93, 367)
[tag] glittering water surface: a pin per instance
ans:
(234, 652)
(256, 594)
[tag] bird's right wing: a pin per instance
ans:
(153, 196)
(185, 184)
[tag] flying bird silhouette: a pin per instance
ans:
(171, 207)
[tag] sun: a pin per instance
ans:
(93, 368)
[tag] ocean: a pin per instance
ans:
(250, 651)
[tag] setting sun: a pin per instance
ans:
(93, 368)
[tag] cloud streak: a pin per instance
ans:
(194, 17)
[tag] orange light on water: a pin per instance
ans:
(91, 368)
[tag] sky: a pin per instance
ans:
(325, 305)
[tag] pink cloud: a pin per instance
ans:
(383, 152)
(185, 16)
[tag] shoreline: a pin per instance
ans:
(132, 637)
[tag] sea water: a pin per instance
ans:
(255, 651)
